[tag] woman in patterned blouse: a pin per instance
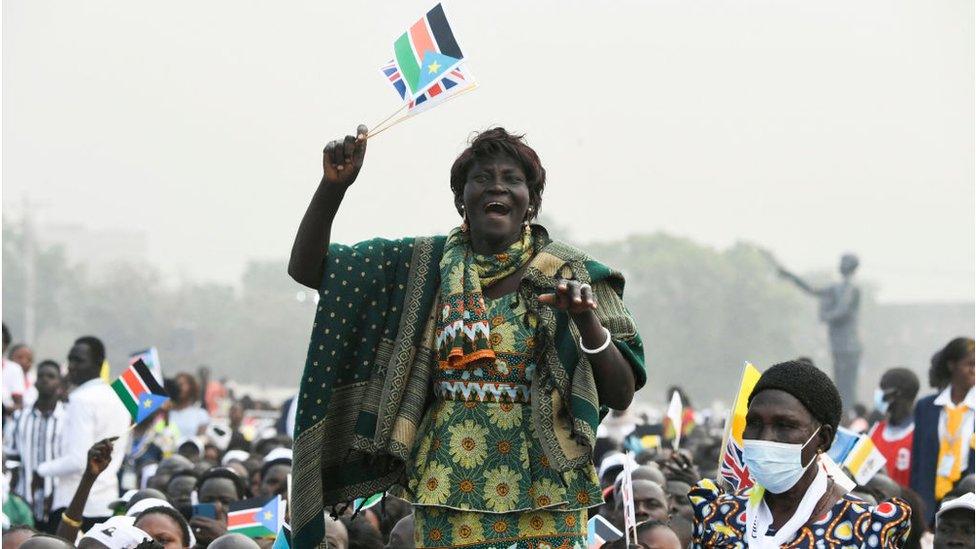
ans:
(793, 414)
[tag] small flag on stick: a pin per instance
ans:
(283, 541)
(600, 531)
(427, 51)
(256, 517)
(139, 391)
(150, 357)
(731, 464)
(675, 410)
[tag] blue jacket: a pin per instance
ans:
(925, 453)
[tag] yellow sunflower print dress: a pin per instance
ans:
(481, 478)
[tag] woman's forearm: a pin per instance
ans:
(611, 371)
(312, 241)
(76, 508)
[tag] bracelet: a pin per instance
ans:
(598, 349)
(70, 521)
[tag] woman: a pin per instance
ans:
(942, 444)
(470, 369)
(793, 414)
(189, 418)
(166, 525)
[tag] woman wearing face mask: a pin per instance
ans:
(793, 414)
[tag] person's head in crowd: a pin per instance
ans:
(85, 359)
(211, 454)
(684, 528)
(389, 512)
(264, 446)
(236, 459)
(895, 395)
(48, 382)
(254, 465)
(221, 486)
(234, 541)
(335, 533)
(650, 471)
(6, 338)
(678, 501)
(235, 415)
(23, 355)
(180, 487)
(954, 522)
(191, 449)
(166, 469)
(650, 502)
(918, 521)
(654, 534)
(883, 485)
(46, 541)
(965, 484)
(14, 537)
(274, 473)
(792, 403)
(188, 389)
(954, 365)
(401, 536)
(145, 493)
(166, 525)
(848, 264)
(362, 533)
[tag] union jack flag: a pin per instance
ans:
(392, 73)
(451, 83)
(734, 469)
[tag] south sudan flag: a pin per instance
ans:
(139, 391)
(427, 51)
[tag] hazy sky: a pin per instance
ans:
(810, 127)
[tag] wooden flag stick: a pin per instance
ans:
(373, 129)
(378, 130)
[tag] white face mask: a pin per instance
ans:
(777, 466)
(880, 404)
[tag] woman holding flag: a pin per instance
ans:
(794, 410)
(470, 369)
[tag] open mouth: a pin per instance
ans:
(497, 209)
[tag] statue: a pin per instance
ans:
(838, 308)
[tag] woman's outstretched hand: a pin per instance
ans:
(343, 158)
(99, 456)
(571, 296)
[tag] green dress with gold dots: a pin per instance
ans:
(481, 478)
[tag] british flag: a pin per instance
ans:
(734, 468)
(453, 82)
(392, 73)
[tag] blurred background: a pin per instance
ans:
(157, 159)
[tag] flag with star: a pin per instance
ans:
(256, 517)
(139, 391)
(451, 83)
(426, 52)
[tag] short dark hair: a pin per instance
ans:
(229, 474)
(904, 379)
(494, 143)
(47, 363)
(96, 346)
(173, 514)
(957, 349)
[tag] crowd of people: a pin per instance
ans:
(75, 474)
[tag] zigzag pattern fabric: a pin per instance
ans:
(463, 333)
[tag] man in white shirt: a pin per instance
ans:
(93, 413)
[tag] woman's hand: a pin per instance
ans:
(99, 456)
(571, 296)
(343, 158)
(206, 529)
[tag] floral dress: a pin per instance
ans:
(481, 478)
(720, 521)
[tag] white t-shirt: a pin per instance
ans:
(14, 382)
(189, 419)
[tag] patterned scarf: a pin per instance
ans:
(463, 332)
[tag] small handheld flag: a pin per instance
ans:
(858, 453)
(630, 515)
(139, 391)
(150, 357)
(675, 410)
(256, 517)
(731, 465)
(283, 541)
(426, 51)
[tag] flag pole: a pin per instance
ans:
(375, 129)
(378, 130)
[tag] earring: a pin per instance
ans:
(528, 216)
(464, 224)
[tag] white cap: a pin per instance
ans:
(234, 455)
(278, 453)
(965, 501)
(117, 533)
(614, 459)
(147, 503)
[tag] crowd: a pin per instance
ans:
(75, 474)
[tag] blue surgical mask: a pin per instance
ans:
(777, 466)
(880, 404)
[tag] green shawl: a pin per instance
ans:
(366, 384)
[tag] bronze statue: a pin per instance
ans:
(838, 308)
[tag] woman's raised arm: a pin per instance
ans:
(341, 161)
